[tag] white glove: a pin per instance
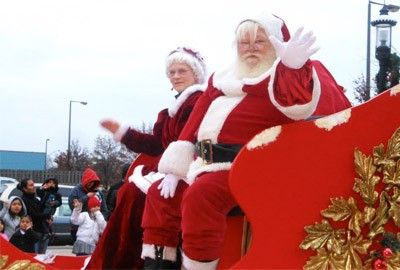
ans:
(137, 178)
(154, 176)
(295, 53)
(168, 186)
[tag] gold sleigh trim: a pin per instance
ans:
(19, 264)
(363, 242)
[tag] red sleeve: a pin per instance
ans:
(150, 144)
(293, 86)
(308, 91)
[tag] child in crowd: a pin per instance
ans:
(2, 228)
(50, 199)
(49, 196)
(91, 226)
(11, 214)
(25, 237)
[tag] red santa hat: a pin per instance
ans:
(93, 202)
(274, 25)
(190, 57)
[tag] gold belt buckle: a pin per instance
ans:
(206, 151)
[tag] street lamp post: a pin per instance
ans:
(45, 157)
(391, 8)
(383, 46)
(69, 131)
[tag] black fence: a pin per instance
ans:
(64, 177)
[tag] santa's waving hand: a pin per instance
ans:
(297, 50)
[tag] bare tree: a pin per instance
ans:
(79, 160)
(360, 89)
(146, 128)
(394, 70)
(108, 158)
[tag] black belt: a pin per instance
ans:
(220, 152)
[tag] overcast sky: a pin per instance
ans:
(111, 53)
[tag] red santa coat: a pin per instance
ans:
(121, 242)
(233, 111)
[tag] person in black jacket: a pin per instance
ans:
(25, 237)
(41, 221)
(50, 199)
(111, 199)
(49, 196)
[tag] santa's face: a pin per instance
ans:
(253, 49)
(181, 76)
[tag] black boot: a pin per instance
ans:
(165, 264)
(150, 264)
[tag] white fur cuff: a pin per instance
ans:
(198, 166)
(149, 250)
(177, 158)
(190, 264)
(137, 178)
(120, 133)
(296, 112)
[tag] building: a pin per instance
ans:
(19, 160)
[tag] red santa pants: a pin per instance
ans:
(200, 210)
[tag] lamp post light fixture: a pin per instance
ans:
(390, 8)
(69, 131)
(383, 46)
(45, 156)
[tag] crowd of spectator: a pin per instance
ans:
(26, 221)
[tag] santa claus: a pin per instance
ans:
(272, 82)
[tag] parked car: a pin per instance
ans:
(61, 223)
(6, 180)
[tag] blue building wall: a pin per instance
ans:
(18, 160)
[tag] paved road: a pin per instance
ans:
(61, 250)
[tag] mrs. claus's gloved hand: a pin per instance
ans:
(139, 180)
(295, 53)
(168, 186)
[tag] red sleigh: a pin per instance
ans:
(285, 177)
(295, 183)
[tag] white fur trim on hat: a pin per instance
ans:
(296, 112)
(269, 22)
(177, 158)
(173, 109)
(198, 166)
(189, 264)
(195, 62)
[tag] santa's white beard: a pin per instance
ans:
(243, 70)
